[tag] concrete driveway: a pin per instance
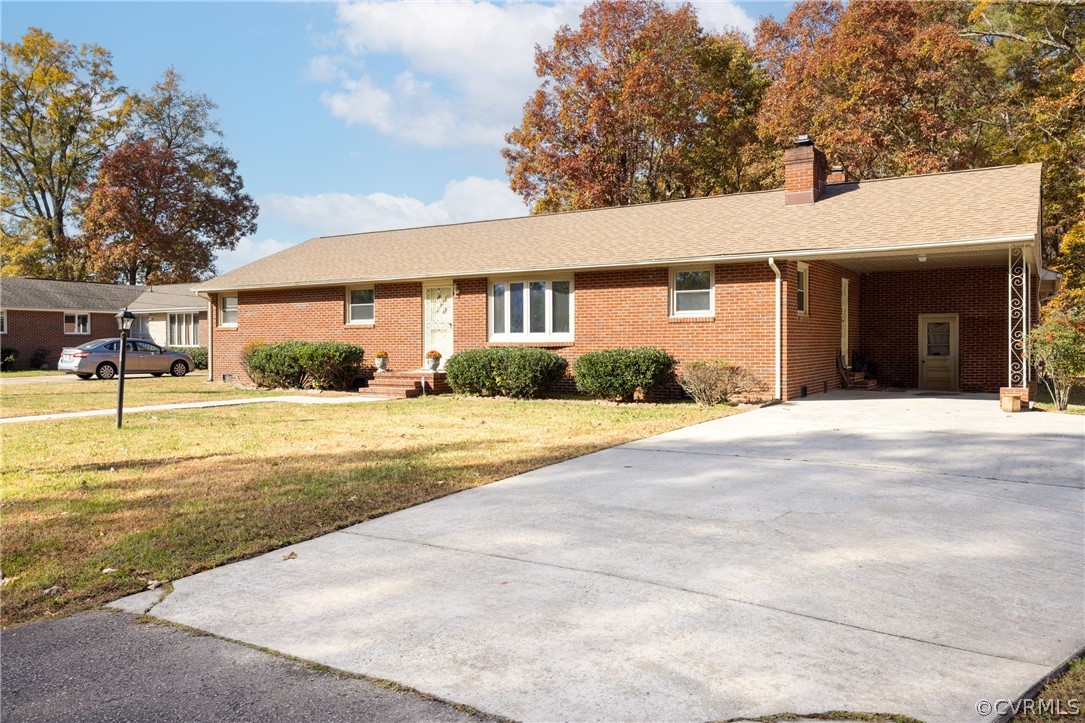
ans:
(855, 551)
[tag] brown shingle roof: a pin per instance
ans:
(938, 208)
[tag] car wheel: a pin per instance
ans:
(179, 369)
(84, 376)
(106, 370)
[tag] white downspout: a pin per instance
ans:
(779, 330)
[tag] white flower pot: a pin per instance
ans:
(432, 364)
(381, 362)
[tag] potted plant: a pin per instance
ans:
(433, 359)
(381, 360)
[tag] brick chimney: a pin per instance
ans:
(836, 175)
(804, 172)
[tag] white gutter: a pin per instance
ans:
(779, 330)
(902, 250)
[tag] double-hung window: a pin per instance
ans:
(76, 323)
(3, 321)
(531, 310)
(802, 289)
(183, 330)
(360, 306)
(692, 292)
(228, 311)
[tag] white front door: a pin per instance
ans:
(437, 321)
(938, 352)
(844, 346)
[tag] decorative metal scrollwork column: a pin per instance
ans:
(1020, 314)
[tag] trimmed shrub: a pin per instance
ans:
(524, 372)
(330, 364)
(302, 364)
(715, 382)
(1057, 347)
(618, 374)
(198, 354)
(41, 359)
(520, 372)
(472, 372)
(8, 359)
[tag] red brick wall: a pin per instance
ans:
(317, 314)
(893, 301)
(811, 342)
(29, 331)
(612, 308)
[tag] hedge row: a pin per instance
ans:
(302, 364)
(504, 371)
(198, 354)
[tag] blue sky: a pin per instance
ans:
(346, 117)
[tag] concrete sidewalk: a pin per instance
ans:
(854, 551)
(287, 399)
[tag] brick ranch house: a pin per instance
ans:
(43, 314)
(924, 281)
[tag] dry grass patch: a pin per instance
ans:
(175, 493)
(21, 400)
(1059, 698)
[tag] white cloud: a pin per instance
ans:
(470, 66)
(323, 214)
(719, 15)
(248, 251)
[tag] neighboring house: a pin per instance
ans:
(924, 281)
(39, 317)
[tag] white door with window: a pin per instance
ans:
(437, 321)
(938, 361)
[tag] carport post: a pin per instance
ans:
(124, 323)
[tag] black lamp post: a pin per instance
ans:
(124, 323)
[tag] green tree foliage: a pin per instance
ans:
(1057, 347)
(61, 111)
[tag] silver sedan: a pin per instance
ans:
(101, 358)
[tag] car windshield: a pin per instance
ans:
(92, 344)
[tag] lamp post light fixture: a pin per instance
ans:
(124, 323)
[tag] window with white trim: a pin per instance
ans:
(693, 292)
(183, 330)
(76, 323)
(228, 311)
(802, 288)
(360, 305)
(3, 321)
(531, 310)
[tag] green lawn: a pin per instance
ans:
(20, 400)
(177, 492)
(30, 373)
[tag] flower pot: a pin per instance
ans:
(432, 364)
(381, 362)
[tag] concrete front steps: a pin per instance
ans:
(404, 385)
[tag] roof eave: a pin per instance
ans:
(1014, 239)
